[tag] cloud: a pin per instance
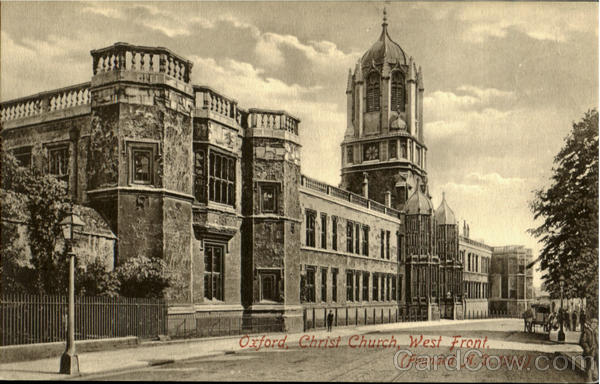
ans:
(558, 23)
(467, 108)
(493, 179)
(322, 54)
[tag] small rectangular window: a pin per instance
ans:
(393, 149)
(394, 288)
(59, 162)
(382, 246)
(268, 198)
(23, 156)
(268, 285)
(350, 154)
(142, 166)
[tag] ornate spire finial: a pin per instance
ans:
(443, 196)
(384, 24)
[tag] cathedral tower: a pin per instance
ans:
(384, 135)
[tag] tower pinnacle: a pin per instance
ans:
(384, 24)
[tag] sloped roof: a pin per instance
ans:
(444, 214)
(384, 49)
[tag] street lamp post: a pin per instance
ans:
(561, 332)
(69, 361)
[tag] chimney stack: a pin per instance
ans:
(365, 185)
(388, 199)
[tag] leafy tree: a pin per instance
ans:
(45, 199)
(95, 280)
(569, 209)
(144, 277)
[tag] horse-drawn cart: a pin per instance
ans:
(538, 315)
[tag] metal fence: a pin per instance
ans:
(186, 325)
(29, 319)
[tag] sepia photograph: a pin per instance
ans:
(285, 191)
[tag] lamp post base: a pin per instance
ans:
(561, 336)
(69, 364)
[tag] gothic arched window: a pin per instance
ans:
(398, 92)
(373, 92)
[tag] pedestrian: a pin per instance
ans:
(329, 320)
(589, 343)
(567, 318)
(574, 316)
(582, 318)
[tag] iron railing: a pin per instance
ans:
(30, 319)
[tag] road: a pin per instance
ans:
(491, 346)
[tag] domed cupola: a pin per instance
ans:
(418, 203)
(384, 50)
(444, 214)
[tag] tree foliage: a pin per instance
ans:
(46, 201)
(569, 210)
(144, 277)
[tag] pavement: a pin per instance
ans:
(165, 352)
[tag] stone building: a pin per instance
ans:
(182, 172)
(476, 258)
(511, 281)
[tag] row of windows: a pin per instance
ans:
(471, 261)
(371, 151)
(357, 235)
(383, 286)
(398, 92)
(474, 290)
(221, 177)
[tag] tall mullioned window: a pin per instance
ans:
(310, 284)
(334, 285)
(221, 182)
(365, 241)
(323, 284)
(375, 287)
(334, 233)
(357, 239)
(323, 231)
(397, 94)
(213, 272)
(365, 286)
(387, 245)
(199, 175)
(349, 286)
(349, 237)
(373, 92)
(310, 228)
(59, 162)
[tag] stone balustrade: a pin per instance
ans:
(127, 57)
(49, 101)
(209, 100)
(267, 119)
(348, 196)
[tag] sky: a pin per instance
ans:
(503, 81)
